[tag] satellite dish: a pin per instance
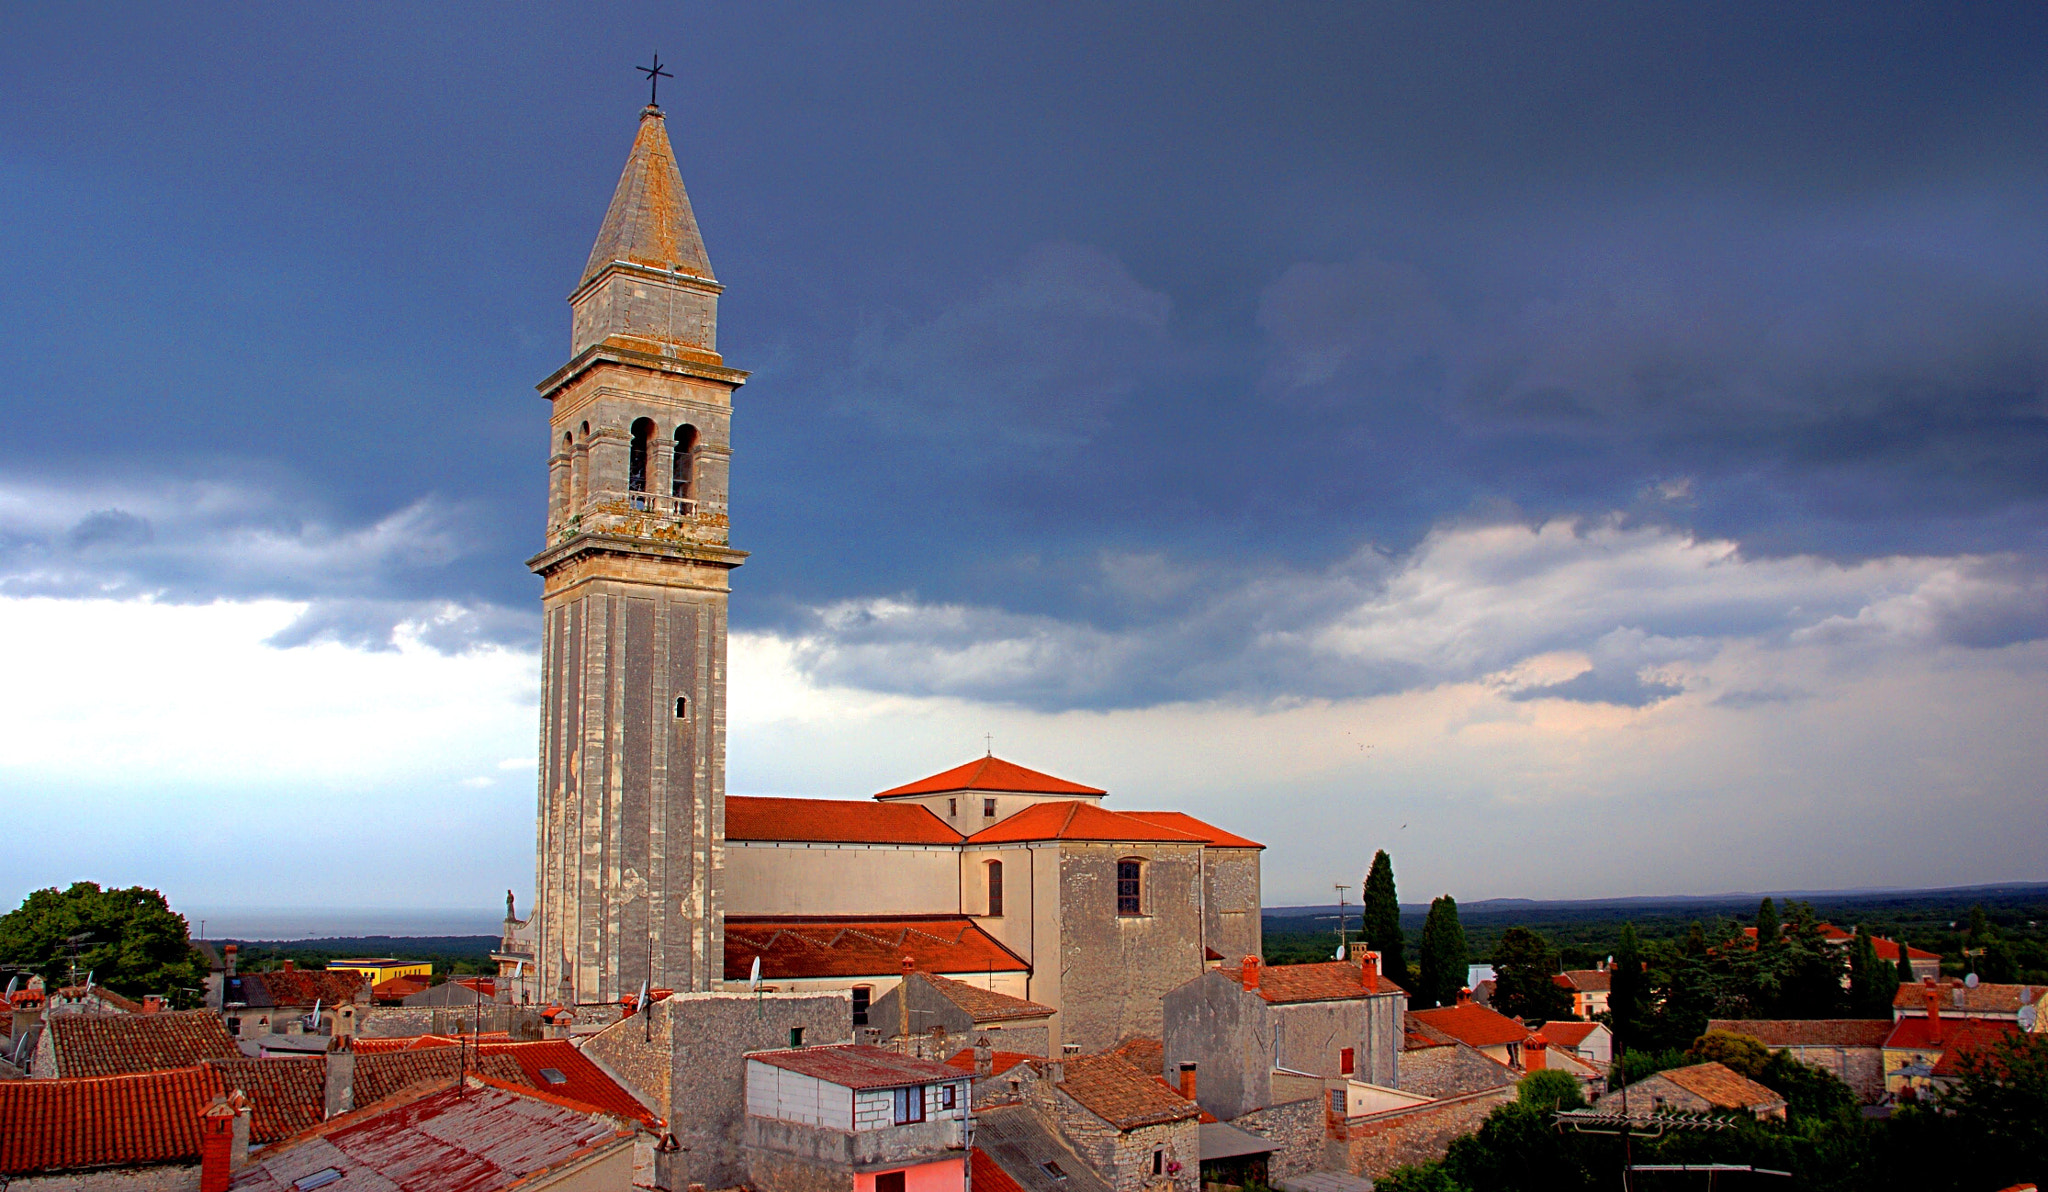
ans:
(2029, 1015)
(754, 978)
(1970, 982)
(1340, 951)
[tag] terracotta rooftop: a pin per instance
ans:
(987, 1176)
(1144, 1053)
(1985, 999)
(1472, 1024)
(1113, 1089)
(1889, 950)
(1965, 1043)
(102, 994)
(833, 821)
(994, 775)
(1181, 821)
(1072, 819)
(1934, 1034)
(824, 947)
(1570, 1034)
(1000, 1061)
(1325, 981)
(478, 1139)
(105, 1121)
(985, 1005)
(399, 988)
(286, 1093)
(858, 1066)
(555, 1067)
(381, 1074)
(1722, 1086)
(650, 222)
(1804, 1032)
(114, 1044)
(1586, 980)
(301, 987)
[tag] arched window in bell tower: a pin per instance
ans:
(636, 460)
(685, 474)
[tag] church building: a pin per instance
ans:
(646, 874)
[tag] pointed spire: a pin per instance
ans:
(650, 222)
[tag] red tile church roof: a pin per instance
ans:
(792, 948)
(1075, 820)
(991, 774)
(1181, 821)
(833, 821)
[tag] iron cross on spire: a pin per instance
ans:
(655, 74)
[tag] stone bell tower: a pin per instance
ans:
(631, 833)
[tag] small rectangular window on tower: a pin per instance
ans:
(682, 707)
(952, 809)
(988, 808)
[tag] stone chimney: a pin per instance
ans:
(227, 958)
(1251, 972)
(903, 1005)
(1187, 1080)
(1535, 1053)
(341, 1076)
(1932, 997)
(984, 1058)
(1465, 997)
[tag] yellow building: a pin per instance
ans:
(382, 968)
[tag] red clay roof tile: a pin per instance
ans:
(985, 1005)
(858, 1066)
(1184, 822)
(1325, 981)
(1474, 1025)
(833, 821)
(800, 947)
(286, 1093)
(999, 1061)
(113, 1044)
(133, 1119)
(1071, 819)
(1722, 1086)
(582, 1081)
(990, 774)
(1113, 1089)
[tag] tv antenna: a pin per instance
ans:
(1342, 938)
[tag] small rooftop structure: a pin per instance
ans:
(857, 1066)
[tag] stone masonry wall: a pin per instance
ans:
(1375, 1145)
(1114, 969)
(1861, 1068)
(1296, 1128)
(166, 1178)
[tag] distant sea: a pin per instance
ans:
(306, 923)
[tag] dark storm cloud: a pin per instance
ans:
(1256, 295)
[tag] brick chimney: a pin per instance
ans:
(1465, 997)
(223, 1141)
(227, 958)
(1251, 972)
(341, 1076)
(1535, 1053)
(1187, 1080)
(290, 967)
(1932, 996)
(1369, 969)
(152, 1004)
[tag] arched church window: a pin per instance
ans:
(995, 889)
(685, 465)
(636, 458)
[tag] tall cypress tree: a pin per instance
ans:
(1445, 961)
(1906, 976)
(1766, 924)
(1383, 919)
(1871, 981)
(1625, 990)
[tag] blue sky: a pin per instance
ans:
(1611, 443)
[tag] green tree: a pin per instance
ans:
(1872, 982)
(1523, 972)
(1740, 1053)
(1625, 998)
(1551, 1088)
(2000, 1106)
(1766, 924)
(1808, 970)
(1811, 1094)
(1906, 976)
(1382, 924)
(129, 941)
(1445, 961)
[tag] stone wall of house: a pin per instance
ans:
(1296, 1128)
(1230, 905)
(1861, 1068)
(1229, 1035)
(393, 1022)
(686, 1059)
(162, 1178)
(1374, 1145)
(1114, 969)
(1451, 1071)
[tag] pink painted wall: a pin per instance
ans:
(946, 1175)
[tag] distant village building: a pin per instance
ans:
(1700, 1088)
(1590, 989)
(1850, 1048)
